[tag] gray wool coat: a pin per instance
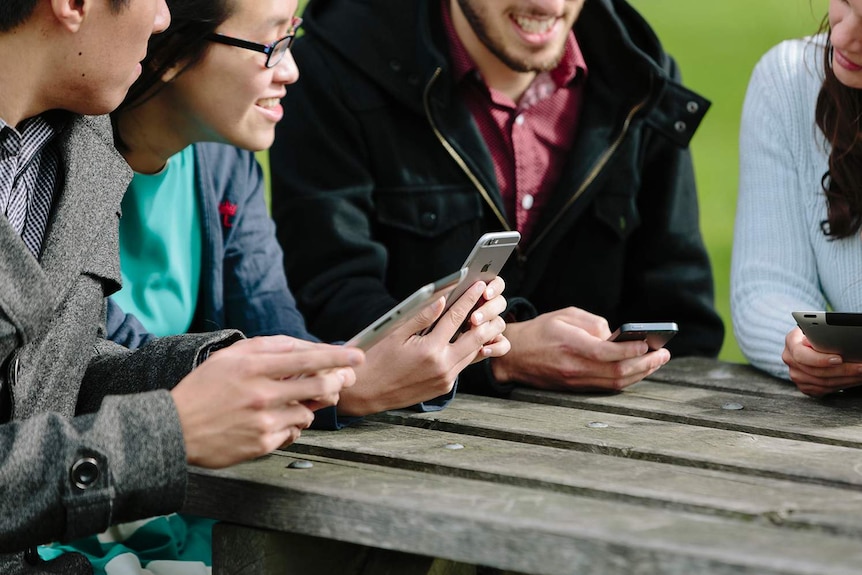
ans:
(122, 456)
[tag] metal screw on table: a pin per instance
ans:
(732, 406)
(300, 464)
(453, 446)
(597, 424)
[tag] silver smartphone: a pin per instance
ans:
(484, 263)
(383, 326)
(655, 334)
(833, 332)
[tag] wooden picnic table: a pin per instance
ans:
(707, 467)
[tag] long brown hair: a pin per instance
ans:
(839, 116)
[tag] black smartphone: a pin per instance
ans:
(656, 334)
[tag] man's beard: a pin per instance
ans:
(499, 49)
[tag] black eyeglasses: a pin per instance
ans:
(274, 52)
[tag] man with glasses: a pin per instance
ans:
(89, 433)
(420, 125)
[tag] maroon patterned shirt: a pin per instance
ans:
(529, 140)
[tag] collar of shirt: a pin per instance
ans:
(571, 68)
(31, 136)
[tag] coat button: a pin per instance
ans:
(679, 126)
(692, 107)
(395, 65)
(428, 219)
(85, 473)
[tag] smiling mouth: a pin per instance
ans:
(532, 25)
(268, 102)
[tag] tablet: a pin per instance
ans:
(833, 332)
(383, 326)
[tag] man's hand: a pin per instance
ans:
(257, 395)
(568, 350)
(404, 368)
(815, 373)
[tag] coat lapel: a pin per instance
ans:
(84, 228)
(81, 234)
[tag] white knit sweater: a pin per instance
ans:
(782, 262)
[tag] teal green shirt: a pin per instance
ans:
(160, 260)
(160, 247)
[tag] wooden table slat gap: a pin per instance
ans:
(706, 373)
(398, 418)
(691, 420)
(770, 518)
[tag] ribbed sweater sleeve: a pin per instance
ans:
(782, 262)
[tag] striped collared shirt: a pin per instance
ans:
(29, 162)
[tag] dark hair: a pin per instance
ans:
(838, 114)
(15, 12)
(184, 42)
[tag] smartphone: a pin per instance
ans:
(833, 332)
(656, 334)
(383, 326)
(484, 263)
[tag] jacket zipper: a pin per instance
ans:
(593, 174)
(455, 156)
(603, 160)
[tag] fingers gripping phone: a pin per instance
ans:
(484, 263)
(833, 332)
(407, 308)
(655, 334)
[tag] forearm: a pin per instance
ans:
(87, 474)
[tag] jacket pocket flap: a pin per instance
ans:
(618, 212)
(428, 211)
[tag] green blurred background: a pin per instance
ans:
(716, 44)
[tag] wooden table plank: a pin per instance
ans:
(836, 420)
(723, 376)
(502, 525)
(642, 438)
(579, 473)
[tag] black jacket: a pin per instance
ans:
(382, 182)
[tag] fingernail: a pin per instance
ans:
(834, 360)
(355, 358)
(489, 293)
(486, 351)
(478, 317)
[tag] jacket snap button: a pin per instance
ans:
(679, 126)
(85, 472)
(692, 107)
(429, 220)
(395, 65)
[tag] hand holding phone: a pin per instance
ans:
(655, 334)
(385, 324)
(484, 263)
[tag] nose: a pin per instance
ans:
(286, 72)
(162, 18)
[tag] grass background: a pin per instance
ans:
(716, 44)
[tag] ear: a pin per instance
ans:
(71, 13)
